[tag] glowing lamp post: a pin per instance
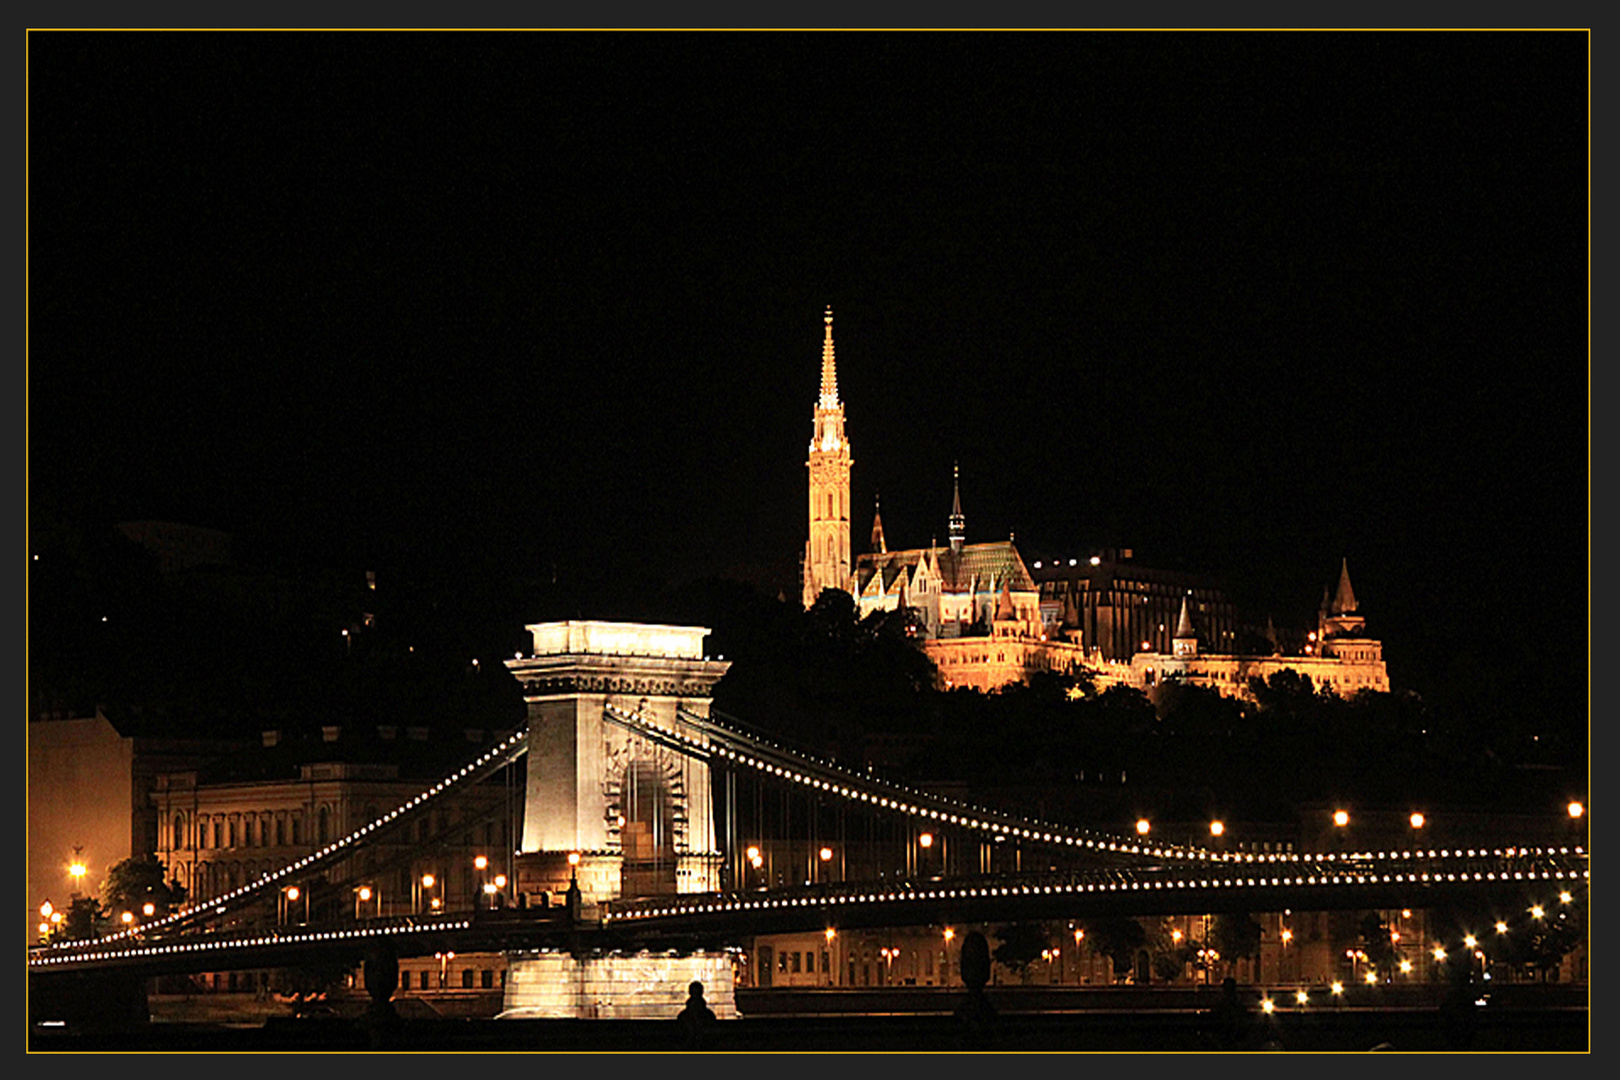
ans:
(1143, 826)
(287, 899)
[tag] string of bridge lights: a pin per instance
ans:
(907, 800)
(703, 905)
(972, 817)
(885, 795)
(248, 941)
(219, 904)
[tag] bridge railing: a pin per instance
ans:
(1416, 870)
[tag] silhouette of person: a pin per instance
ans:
(697, 1019)
(976, 1016)
(1229, 1019)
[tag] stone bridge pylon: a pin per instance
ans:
(637, 816)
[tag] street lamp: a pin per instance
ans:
(1143, 826)
(1576, 809)
(1217, 828)
(1416, 819)
(421, 887)
(285, 900)
(1341, 818)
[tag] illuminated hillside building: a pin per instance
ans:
(987, 621)
(1337, 655)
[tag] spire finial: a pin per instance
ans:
(879, 544)
(829, 366)
(958, 523)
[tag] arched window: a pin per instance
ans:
(323, 828)
(179, 832)
(281, 831)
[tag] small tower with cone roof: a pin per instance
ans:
(879, 546)
(1185, 644)
(1339, 617)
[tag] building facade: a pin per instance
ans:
(218, 831)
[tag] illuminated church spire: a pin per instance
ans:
(829, 368)
(879, 545)
(826, 552)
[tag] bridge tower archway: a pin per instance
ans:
(637, 816)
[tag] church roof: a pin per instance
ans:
(977, 565)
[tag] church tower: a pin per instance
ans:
(826, 553)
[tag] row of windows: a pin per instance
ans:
(468, 978)
(255, 830)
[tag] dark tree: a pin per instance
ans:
(1235, 936)
(1378, 944)
(1020, 944)
(1118, 939)
(84, 920)
(136, 882)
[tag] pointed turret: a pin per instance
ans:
(1185, 643)
(878, 544)
(958, 523)
(1004, 604)
(1344, 599)
(1339, 616)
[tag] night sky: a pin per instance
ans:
(531, 305)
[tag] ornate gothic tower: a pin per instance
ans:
(826, 554)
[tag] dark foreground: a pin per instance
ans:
(1562, 1028)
